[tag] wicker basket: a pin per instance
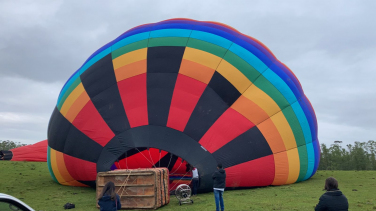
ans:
(138, 188)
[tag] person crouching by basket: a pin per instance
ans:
(108, 200)
(219, 179)
(195, 181)
(332, 199)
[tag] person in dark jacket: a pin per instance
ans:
(333, 199)
(108, 200)
(219, 179)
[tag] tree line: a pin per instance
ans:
(7, 145)
(359, 156)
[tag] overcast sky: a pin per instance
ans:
(329, 45)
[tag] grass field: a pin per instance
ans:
(31, 182)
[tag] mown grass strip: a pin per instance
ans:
(32, 183)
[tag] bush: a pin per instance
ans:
(7, 145)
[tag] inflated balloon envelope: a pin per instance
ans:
(184, 89)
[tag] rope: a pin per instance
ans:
(146, 158)
(177, 168)
(151, 158)
(123, 186)
(180, 178)
(118, 164)
(179, 181)
(170, 160)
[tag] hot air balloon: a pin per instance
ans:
(184, 91)
(36, 152)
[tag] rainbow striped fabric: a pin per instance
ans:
(201, 91)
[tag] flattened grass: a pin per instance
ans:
(32, 183)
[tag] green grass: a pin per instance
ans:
(31, 182)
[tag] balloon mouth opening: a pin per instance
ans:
(152, 146)
(6, 155)
(180, 171)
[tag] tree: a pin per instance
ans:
(324, 158)
(7, 145)
(360, 156)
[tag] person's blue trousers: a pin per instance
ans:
(218, 195)
(194, 186)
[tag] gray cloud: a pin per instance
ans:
(328, 45)
(25, 108)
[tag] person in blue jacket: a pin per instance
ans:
(333, 199)
(108, 200)
(219, 185)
